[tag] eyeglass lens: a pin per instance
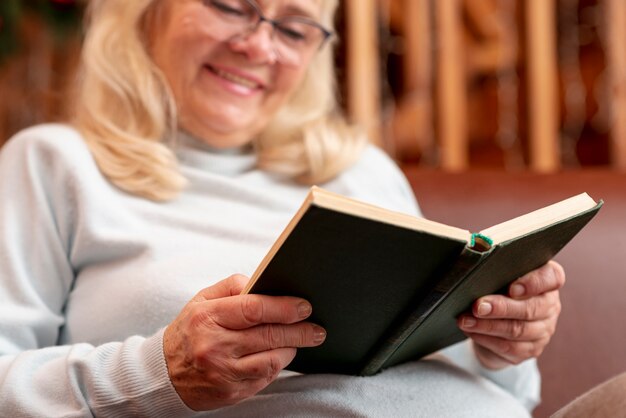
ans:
(294, 37)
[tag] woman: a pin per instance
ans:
(199, 126)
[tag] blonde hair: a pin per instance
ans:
(125, 110)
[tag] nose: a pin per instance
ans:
(257, 45)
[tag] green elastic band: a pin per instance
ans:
(481, 236)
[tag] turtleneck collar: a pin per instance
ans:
(195, 153)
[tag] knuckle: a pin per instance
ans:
(291, 355)
(304, 336)
(237, 277)
(536, 350)
(534, 282)
(214, 363)
(558, 273)
(219, 372)
(274, 367)
(200, 316)
(515, 355)
(555, 300)
(489, 326)
(546, 331)
(259, 370)
(537, 330)
(555, 308)
(550, 329)
(227, 395)
(274, 336)
(252, 309)
(198, 356)
(500, 307)
(518, 329)
(550, 276)
(531, 307)
(504, 346)
(523, 352)
(557, 304)
(269, 370)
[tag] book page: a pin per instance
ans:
(349, 206)
(540, 218)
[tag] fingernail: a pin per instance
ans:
(517, 290)
(469, 322)
(304, 310)
(319, 334)
(484, 308)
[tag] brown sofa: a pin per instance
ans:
(590, 343)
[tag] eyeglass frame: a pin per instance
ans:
(275, 22)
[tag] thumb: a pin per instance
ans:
(231, 286)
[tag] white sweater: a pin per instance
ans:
(90, 276)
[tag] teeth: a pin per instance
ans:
(236, 79)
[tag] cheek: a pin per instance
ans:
(290, 81)
(177, 52)
(179, 62)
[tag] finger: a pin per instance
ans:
(489, 359)
(514, 352)
(265, 365)
(533, 309)
(246, 311)
(274, 336)
(511, 329)
(231, 286)
(547, 278)
(249, 375)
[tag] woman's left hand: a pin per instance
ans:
(509, 329)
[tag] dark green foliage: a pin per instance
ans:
(62, 17)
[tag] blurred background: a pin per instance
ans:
(445, 86)
(448, 84)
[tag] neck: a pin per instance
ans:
(186, 139)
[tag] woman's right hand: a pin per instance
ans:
(225, 347)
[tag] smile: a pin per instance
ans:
(233, 78)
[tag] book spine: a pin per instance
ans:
(467, 261)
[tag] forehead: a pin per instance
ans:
(299, 7)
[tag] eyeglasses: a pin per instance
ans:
(295, 37)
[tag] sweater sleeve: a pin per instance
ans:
(37, 376)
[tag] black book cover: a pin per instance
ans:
(360, 275)
(387, 293)
(504, 264)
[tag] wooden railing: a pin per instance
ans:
(616, 16)
(439, 75)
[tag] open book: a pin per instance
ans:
(388, 287)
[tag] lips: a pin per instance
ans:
(238, 79)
